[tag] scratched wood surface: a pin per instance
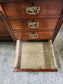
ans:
(37, 55)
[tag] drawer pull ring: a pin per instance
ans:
(33, 24)
(32, 10)
(33, 36)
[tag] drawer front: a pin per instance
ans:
(37, 9)
(31, 24)
(34, 35)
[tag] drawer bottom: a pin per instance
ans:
(34, 56)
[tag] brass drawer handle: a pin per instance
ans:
(33, 24)
(33, 36)
(32, 10)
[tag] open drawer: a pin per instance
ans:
(34, 56)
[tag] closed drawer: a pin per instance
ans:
(23, 10)
(40, 24)
(34, 56)
(34, 35)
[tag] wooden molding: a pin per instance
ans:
(6, 22)
(1, 10)
(29, 70)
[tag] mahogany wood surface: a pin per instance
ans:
(29, 70)
(16, 17)
(25, 0)
(4, 34)
(16, 0)
(3, 31)
(47, 8)
(4, 26)
(44, 24)
(60, 22)
(1, 10)
(41, 35)
(5, 38)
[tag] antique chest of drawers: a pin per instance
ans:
(32, 20)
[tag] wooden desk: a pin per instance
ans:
(30, 20)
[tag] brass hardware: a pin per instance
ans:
(33, 36)
(33, 24)
(32, 10)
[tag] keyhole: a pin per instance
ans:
(33, 32)
(33, 20)
(62, 11)
(32, 4)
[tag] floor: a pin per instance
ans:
(7, 76)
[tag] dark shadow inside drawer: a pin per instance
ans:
(34, 56)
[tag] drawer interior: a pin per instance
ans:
(34, 56)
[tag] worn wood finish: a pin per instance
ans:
(5, 24)
(29, 70)
(24, 0)
(17, 55)
(58, 26)
(4, 34)
(15, 19)
(42, 50)
(47, 8)
(5, 38)
(1, 10)
(3, 31)
(16, 0)
(44, 24)
(41, 35)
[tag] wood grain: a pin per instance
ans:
(41, 35)
(40, 70)
(44, 23)
(5, 38)
(15, 9)
(1, 10)
(58, 26)
(38, 56)
(15, 0)
(47, 8)
(25, 0)
(5, 22)
(4, 34)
